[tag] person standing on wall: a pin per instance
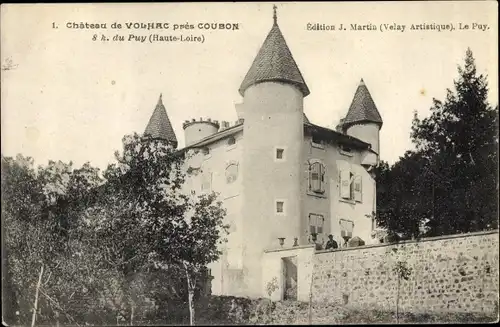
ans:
(331, 244)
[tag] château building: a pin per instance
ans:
(279, 175)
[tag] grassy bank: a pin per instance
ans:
(221, 310)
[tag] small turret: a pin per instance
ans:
(196, 130)
(363, 120)
(159, 126)
(274, 63)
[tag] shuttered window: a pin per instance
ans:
(350, 185)
(346, 228)
(317, 177)
(357, 188)
(345, 183)
(316, 223)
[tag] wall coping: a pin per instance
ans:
(290, 248)
(427, 239)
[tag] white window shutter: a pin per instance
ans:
(315, 177)
(345, 183)
(322, 179)
(358, 192)
(321, 222)
(346, 228)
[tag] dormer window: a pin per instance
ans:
(316, 141)
(345, 150)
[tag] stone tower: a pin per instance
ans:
(363, 120)
(273, 92)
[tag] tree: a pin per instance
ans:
(156, 221)
(403, 272)
(450, 181)
(39, 207)
(403, 195)
(101, 240)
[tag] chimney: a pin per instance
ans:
(339, 127)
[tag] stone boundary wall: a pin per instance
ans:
(456, 273)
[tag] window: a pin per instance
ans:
(231, 172)
(316, 142)
(279, 153)
(345, 150)
(350, 185)
(316, 223)
(346, 228)
(280, 207)
(205, 151)
(206, 182)
(357, 188)
(231, 141)
(317, 177)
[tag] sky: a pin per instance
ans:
(66, 97)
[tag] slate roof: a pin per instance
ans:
(159, 126)
(274, 62)
(306, 120)
(363, 108)
(323, 132)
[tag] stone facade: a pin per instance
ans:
(456, 273)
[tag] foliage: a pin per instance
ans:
(37, 211)
(272, 286)
(402, 270)
(113, 245)
(449, 183)
(218, 310)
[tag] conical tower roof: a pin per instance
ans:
(363, 108)
(159, 126)
(274, 62)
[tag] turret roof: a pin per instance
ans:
(274, 62)
(159, 126)
(363, 108)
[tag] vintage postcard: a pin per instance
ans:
(249, 163)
